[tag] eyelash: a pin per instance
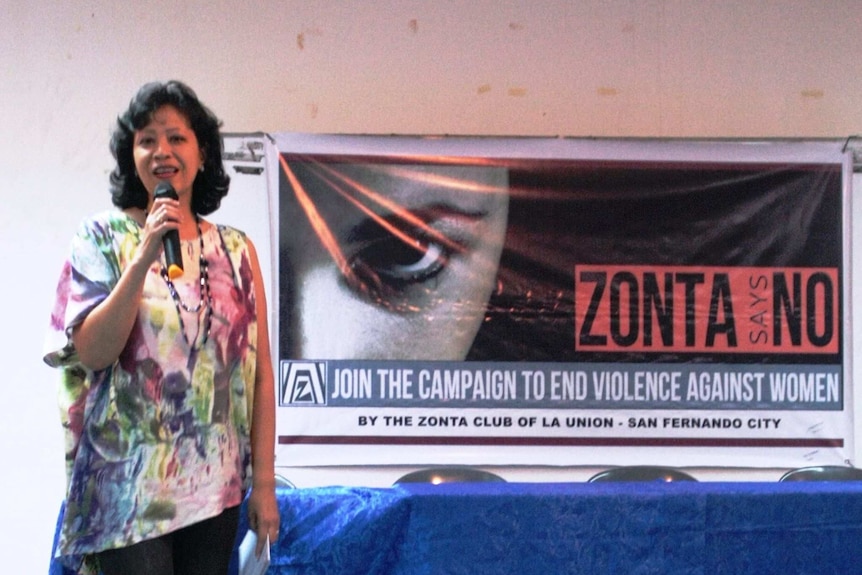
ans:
(149, 141)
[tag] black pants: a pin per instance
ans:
(201, 549)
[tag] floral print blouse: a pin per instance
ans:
(161, 438)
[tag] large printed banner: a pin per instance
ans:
(561, 302)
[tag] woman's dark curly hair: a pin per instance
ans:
(210, 186)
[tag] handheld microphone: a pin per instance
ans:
(171, 239)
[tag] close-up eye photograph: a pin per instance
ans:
(415, 288)
(399, 260)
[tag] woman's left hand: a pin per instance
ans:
(263, 517)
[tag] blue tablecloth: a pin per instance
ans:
(559, 528)
(554, 529)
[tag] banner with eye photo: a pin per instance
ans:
(519, 301)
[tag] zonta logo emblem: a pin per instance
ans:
(303, 383)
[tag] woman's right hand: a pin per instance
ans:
(164, 215)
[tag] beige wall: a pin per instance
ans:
(646, 68)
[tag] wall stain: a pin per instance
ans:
(517, 92)
(812, 94)
(302, 36)
(413, 25)
(516, 26)
(484, 89)
(606, 91)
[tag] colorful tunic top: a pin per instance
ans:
(161, 438)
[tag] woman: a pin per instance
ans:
(167, 383)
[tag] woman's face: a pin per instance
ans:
(388, 261)
(167, 149)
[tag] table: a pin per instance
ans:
(553, 529)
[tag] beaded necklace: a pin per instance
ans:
(203, 290)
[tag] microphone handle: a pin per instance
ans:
(171, 239)
(173, 254)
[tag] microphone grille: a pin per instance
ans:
(165, 190)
